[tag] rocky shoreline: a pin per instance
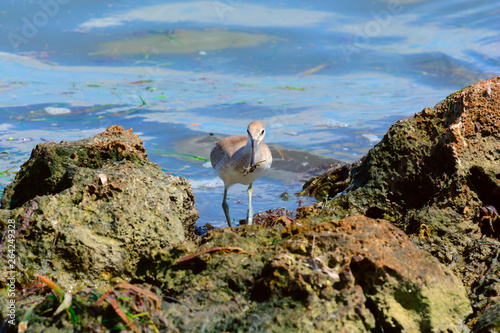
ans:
(403, 240)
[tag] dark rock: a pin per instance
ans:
(490, 320)
(486, 295)
(97, 206)
(52, 166)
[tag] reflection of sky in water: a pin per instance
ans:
(326, 77)
(230, 13)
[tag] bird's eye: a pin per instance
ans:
(262, 132)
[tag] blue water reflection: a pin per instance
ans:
(327, 78)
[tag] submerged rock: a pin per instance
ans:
(87, 211)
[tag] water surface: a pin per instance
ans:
(327, 78)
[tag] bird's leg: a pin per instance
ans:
(250, 210)
(225, 207)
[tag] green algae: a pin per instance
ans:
(183, 41)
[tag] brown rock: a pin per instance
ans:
(406, 288)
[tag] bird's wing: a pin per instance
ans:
(216, 154)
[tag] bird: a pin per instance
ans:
(241, 159)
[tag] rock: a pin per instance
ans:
(88, 211)
(52, 166)
(353, 275)
(490, 320)
(485, 294)
(331, 276)
(434, 175)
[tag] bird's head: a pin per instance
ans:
(256, 132)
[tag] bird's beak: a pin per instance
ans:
(254, 150)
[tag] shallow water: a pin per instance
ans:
(327, 79)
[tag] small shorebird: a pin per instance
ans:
(241, 159)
